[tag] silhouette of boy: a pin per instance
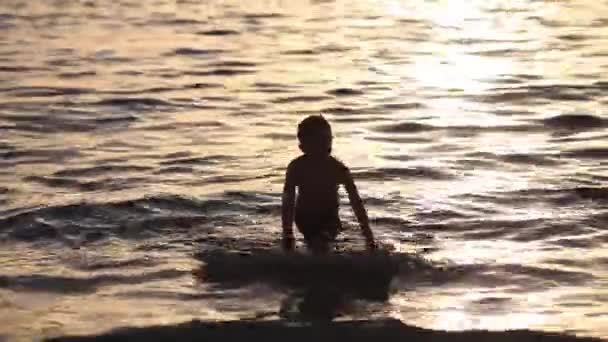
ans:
(317, 175)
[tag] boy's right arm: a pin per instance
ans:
(287, 209)
(359, 209)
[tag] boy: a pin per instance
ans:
(317, 175)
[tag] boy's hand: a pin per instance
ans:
(288, 242)
(371, 246)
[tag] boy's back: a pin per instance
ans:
(317, 180)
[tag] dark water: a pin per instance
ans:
(134, 135)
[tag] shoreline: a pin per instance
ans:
(285, 331)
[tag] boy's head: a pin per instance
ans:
(314, 134)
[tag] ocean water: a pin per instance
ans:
(136, 135)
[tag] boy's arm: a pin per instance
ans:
(287, 209)
(357, 205)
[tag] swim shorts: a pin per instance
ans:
(315, 226)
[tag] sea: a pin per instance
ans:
(137, 134)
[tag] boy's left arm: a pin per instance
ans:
(287, 209)
(359, 210)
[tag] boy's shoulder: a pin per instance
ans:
(338, 163)
(301, 162)
(296, 161)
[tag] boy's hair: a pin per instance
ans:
(310, 128)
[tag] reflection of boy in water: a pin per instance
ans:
(317, 175)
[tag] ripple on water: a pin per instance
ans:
(46, 91)
(100, 170)
(405, 127)
(134, 102)
(232, 64)
(587, 153)
(26, 156)
(302, 98)
(76, 74)
(67, 121)
(192, 161)
(575, 122)
(557, 196)
(219, 72)
(385, 173)
(345, 92)
(218, 33)
(59, 284)
(186, 51)
(128, 219)
(528, 159)
(108, 184)
(20, 69)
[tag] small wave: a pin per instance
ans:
(439, 215)
(400, 139)
(78, 74)
(575, 122)
(219, 72)
(414, 172)
(264, 15)
(175, 169)
(274, 85)
(359, 118)
(100, 170)
(207, 160)
(108, 184)
(584, 243)
(279, 136)
(530, 159)
(194, 52)
(401, 106)
(40, 154)
(560, 196)
(303, 52)
(234, 64)
(201, 85)
(574, 37)
(95, 265)
(504, 52)
(177, 21)
(590, 153)
(46, 91)
(69, 121)
(345, 92)
(133, 102)
(552, 275)
(397, 157)
(331, 48)
(218, 33)
(47, 283)
(405, 127)
(341, 110)
(58, 182)
(142, 91)
(20, 69)
(302, 98)
(151, 214)
(535, 94)
(544, 231)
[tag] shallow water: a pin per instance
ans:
(136, 134)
